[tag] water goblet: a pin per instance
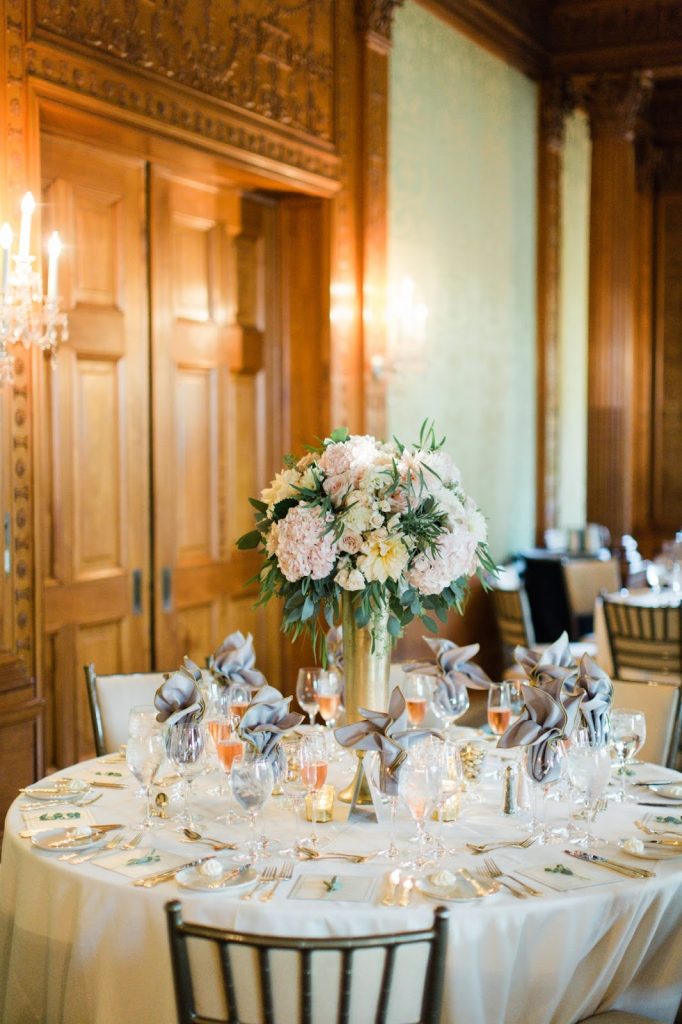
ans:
(499, 708)
(588, 765)
(252, 781)
(314, 760)
(450, 701)
(553, 769)
(306, 682)
(145, 752)
(185, 747)
(627, 732)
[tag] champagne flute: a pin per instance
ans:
(145, 752)
(306, 682)
(419, 786)
(185, 747)
(239, 697)
(314, 760)
(230, 748)
(252, 781)
(627, 731)
(499, 708)
(328, 692)
(417, 690)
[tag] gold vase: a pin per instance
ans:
(366, 668)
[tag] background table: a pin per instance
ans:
(82, 945)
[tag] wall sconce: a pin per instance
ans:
(405, 332)
(26, 314)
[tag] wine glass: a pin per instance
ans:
(419, 786)
(230, 748)
(252, 781)
(239, 697)
(450, 701)
(306, 683)
(627, 731)
(145, 752)
(328, 691)
(417, 690)
(185, 747)
(516, 701)
(554, 765)
(588, 764)
(314, 760)
(499, 708)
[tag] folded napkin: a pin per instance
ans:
(545, 719)
(265, 721)
(596, 690)
(387, 733)
(556, 662)
(234, 662)
(453, 664)
(180, 691)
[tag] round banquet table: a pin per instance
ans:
(83, 945)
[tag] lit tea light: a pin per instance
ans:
(323, 807)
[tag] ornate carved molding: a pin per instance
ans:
(615, 102)
(272, 58)
(375, 19)
(557, 100)
(630, 33)
(177, 111)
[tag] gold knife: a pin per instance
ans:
(612, 865)
(165, 876)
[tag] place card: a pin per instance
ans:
(564, 876)
(57, 815)
(341, 888)
(137, 863)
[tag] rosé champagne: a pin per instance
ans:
(499, 719)
(229, 751)
(314, 775)
(328, 705)
(416, 709)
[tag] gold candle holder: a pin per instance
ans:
(319, 807)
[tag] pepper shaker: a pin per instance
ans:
(509, 801)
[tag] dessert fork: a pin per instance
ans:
(495, 871)
(488, 847)
(285, 872)
(267, 875)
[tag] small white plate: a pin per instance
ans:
(653, 851)
(43, 840)
(192, 878)
(51, 793)
(460, 892)
(671, 792)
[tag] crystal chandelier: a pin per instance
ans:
(27, 315)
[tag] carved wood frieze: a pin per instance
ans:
(272, 58)
(615, 102)
(598, 34)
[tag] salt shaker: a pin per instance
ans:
(509, 802)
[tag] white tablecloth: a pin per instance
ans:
(81, 945)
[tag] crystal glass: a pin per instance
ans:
(588, 765)
(627, 732)
(417, 690)
(419, 787)
(229, 748)
(252, 781)
(185, 747)
(450, 703)
(499, 708)
(328, 691)
(145, 752)
(387, 788)
(314, 761)
(540, 827)
(516, 701)
(306, 683)
(239, 697)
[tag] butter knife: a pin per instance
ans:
(93, 836)
(612, 865)
(165, 876)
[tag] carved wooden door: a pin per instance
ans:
(95, 441)
(215, 388)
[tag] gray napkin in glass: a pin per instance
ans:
(453, 665)
(545, 719)
(556, 662)
(334, 641)
(235, 660)
(179, 690)
(596, 690)
(265, 721)
(387, 733)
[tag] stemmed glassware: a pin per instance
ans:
(306, 683)
(588, 764)
(539, 825)
(499, 708)
(450, 703)
(239, 698)
(145, 752)
(314, 760)
(417, 690)
(328, 693)
(185, 747)
(252, 781)
(419, 787)
(627, 732)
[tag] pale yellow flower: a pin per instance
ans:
(382, 557)
(281, 487)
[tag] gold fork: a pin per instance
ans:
(486, 872)
(285, 873)
(522, 844)
(267, 875)
(497, 872)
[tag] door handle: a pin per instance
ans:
(137, 591)
(167, 588)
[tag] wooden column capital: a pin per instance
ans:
(375, 21)
(614, 103)
(557, 100)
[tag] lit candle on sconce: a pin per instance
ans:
(54, 247)
(5, 244)
(28, 205)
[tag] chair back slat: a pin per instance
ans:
(644, 638)
(512, 612)
(304, 950)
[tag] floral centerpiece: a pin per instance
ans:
(383, 529)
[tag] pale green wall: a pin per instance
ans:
(573, 323)
(462, 194)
